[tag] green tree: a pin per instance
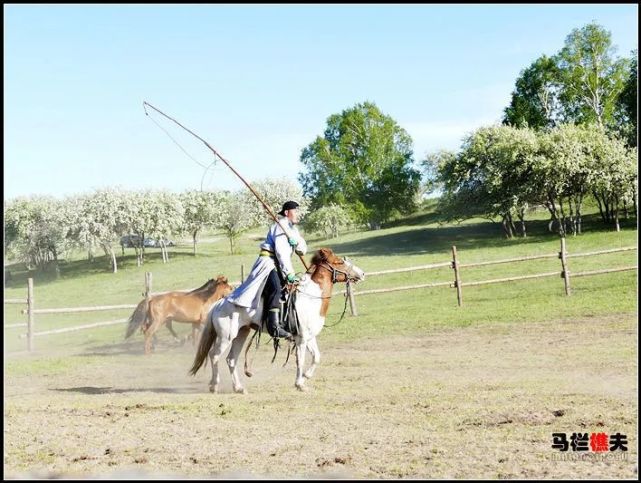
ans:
(534, 100)
(490, 177)
(626, 107)
(364, 161)
(591, 79)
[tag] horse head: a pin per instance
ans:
(222, 286)
(342, 268)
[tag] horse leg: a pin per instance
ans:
(196, 328)
(218, 349)
(301, 347)
(150, 336)
(171, 329)
(232, 358)
(312, 345)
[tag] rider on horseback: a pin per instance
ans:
(273, 268)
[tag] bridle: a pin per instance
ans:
(336, 271)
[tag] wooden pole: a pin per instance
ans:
(457, 277)
(242, 272)
(30, 319)
(564, 267)
(352, 303)
(147, 285)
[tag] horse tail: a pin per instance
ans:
(137, 318)
(206, 341)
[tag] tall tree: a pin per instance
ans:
(534, 100)
(626, 108)
(591, 78)
(364, 161)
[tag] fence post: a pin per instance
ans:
(242, 272)
(564, 266)
(352, 302)
(147, 285)
(457, 277)
(30, 318)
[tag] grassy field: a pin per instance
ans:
(415, 386)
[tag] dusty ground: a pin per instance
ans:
(480, 401)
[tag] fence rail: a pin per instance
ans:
(350, 292)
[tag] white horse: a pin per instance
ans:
(229, 324)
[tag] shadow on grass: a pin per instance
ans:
(114, 390)
(439, 239)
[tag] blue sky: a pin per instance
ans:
(257, 82)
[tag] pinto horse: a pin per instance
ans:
(228, 324)
(190, 307)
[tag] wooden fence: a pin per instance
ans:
(455, 264)
(458, 282)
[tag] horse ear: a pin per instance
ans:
(221, 279)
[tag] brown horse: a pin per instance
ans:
(190, 307)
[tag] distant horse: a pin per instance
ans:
(230, 324)
(190, 307)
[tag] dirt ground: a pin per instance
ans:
(474, 402)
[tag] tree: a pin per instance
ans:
(491, 176)
(431, 166)
(328, 220)
(274, 193)
(626, 106)
(167, 218)
(364, 162)
(202, 208)
(37, 230)
(238, 215)
(100, 221)
(591, 79)
(535, 100)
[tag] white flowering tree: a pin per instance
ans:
(201, 209)
(167, 219)
(274, 193)
(238, 215)
(102, 219)
(36, 230)
(328, 220)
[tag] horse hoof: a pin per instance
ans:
(213, 389)
(240, 390)
(308, 375)
(301, 388)
(249, 374)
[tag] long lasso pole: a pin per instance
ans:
(269, 210)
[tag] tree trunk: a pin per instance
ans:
(231, 244)
(578, 213)
(634, 200)
(601, 210)
(506, 226)
(194, 235)
(521, 215)
(512, 227)
(615, 204)
(113, 260)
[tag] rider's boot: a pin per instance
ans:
(273, 326)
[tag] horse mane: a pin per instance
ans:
(209, 287)
(321, 255)
(206, 285)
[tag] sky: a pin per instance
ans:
(257, 82)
